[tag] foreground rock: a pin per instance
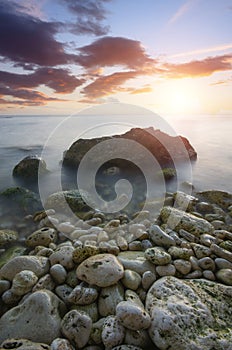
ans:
(23, 344)
(185, 314)
(37, 318)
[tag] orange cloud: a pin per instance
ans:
(143, 90)
(198, 68)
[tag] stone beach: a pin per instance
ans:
(110, 282)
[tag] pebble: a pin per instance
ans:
(108, 299)
(76, 327)
(226, 245)
(194, 274)
(218, 224)
(61, 344)
(207, 240)
(135, 261)
(66, 227)
(204, 207)
(207, 263)
(42, 237)
(113, 332)
(222, 253)
(158, 256)
(133, 297)
(131, 279)
(122, 243)
(194, 263)
(82, 253)
(23, 344)
(209, 275)
(37, 264)
(138, 338)
(7, 236)
(135, 245)
(91, 310)
(58, 273)
(166, 270)
(148, 279)
(225, 276)
(183, 266)
(200, 250)
(4, 285)
(180, 253)
(63, 255)
(63, 291)
(177, 219)
(83, 294)
(132, 315)
(103, 270)
(223, 263)
(23, 282)
(160, 238)
(9, 298)
(45, 282)
(187, 236)
(37, 318)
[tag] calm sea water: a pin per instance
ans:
(211, 136)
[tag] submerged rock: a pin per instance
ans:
(29, 168)
(185, 314)
(7, 236)
(63, 200)
(164, 147)
(20, 201)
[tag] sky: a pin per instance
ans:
(170, 56)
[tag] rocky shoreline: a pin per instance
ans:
(110, 283)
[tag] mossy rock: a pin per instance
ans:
(19, 200)
(169, 173)
(29, 168)
(221, 198)
(65, 200)
(11, 253)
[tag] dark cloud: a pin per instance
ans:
(26, 39)
(107, 85)
(112, 51)
(57, 79)
(89, 15)
(92, 9)
(197, 68)
(88, 27)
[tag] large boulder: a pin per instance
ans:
(163, 147)
(29, 168)
(37, 318)
(190, 315)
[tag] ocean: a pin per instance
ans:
(51, 135)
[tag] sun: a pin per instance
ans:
(183, 101)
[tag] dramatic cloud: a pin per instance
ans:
(201, 68)
(107, 85)
(28, 39)
(57, 79)
(27, 97)
(89, 14)
(112, 51)
(142, 90)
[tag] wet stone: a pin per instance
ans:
(42, 237)
(131, 279)
(7, 236)
(132, 315)
(113, 332)
(158, 256)
(76, 326)
(103, 270)
(83, 294)
(58, 273)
